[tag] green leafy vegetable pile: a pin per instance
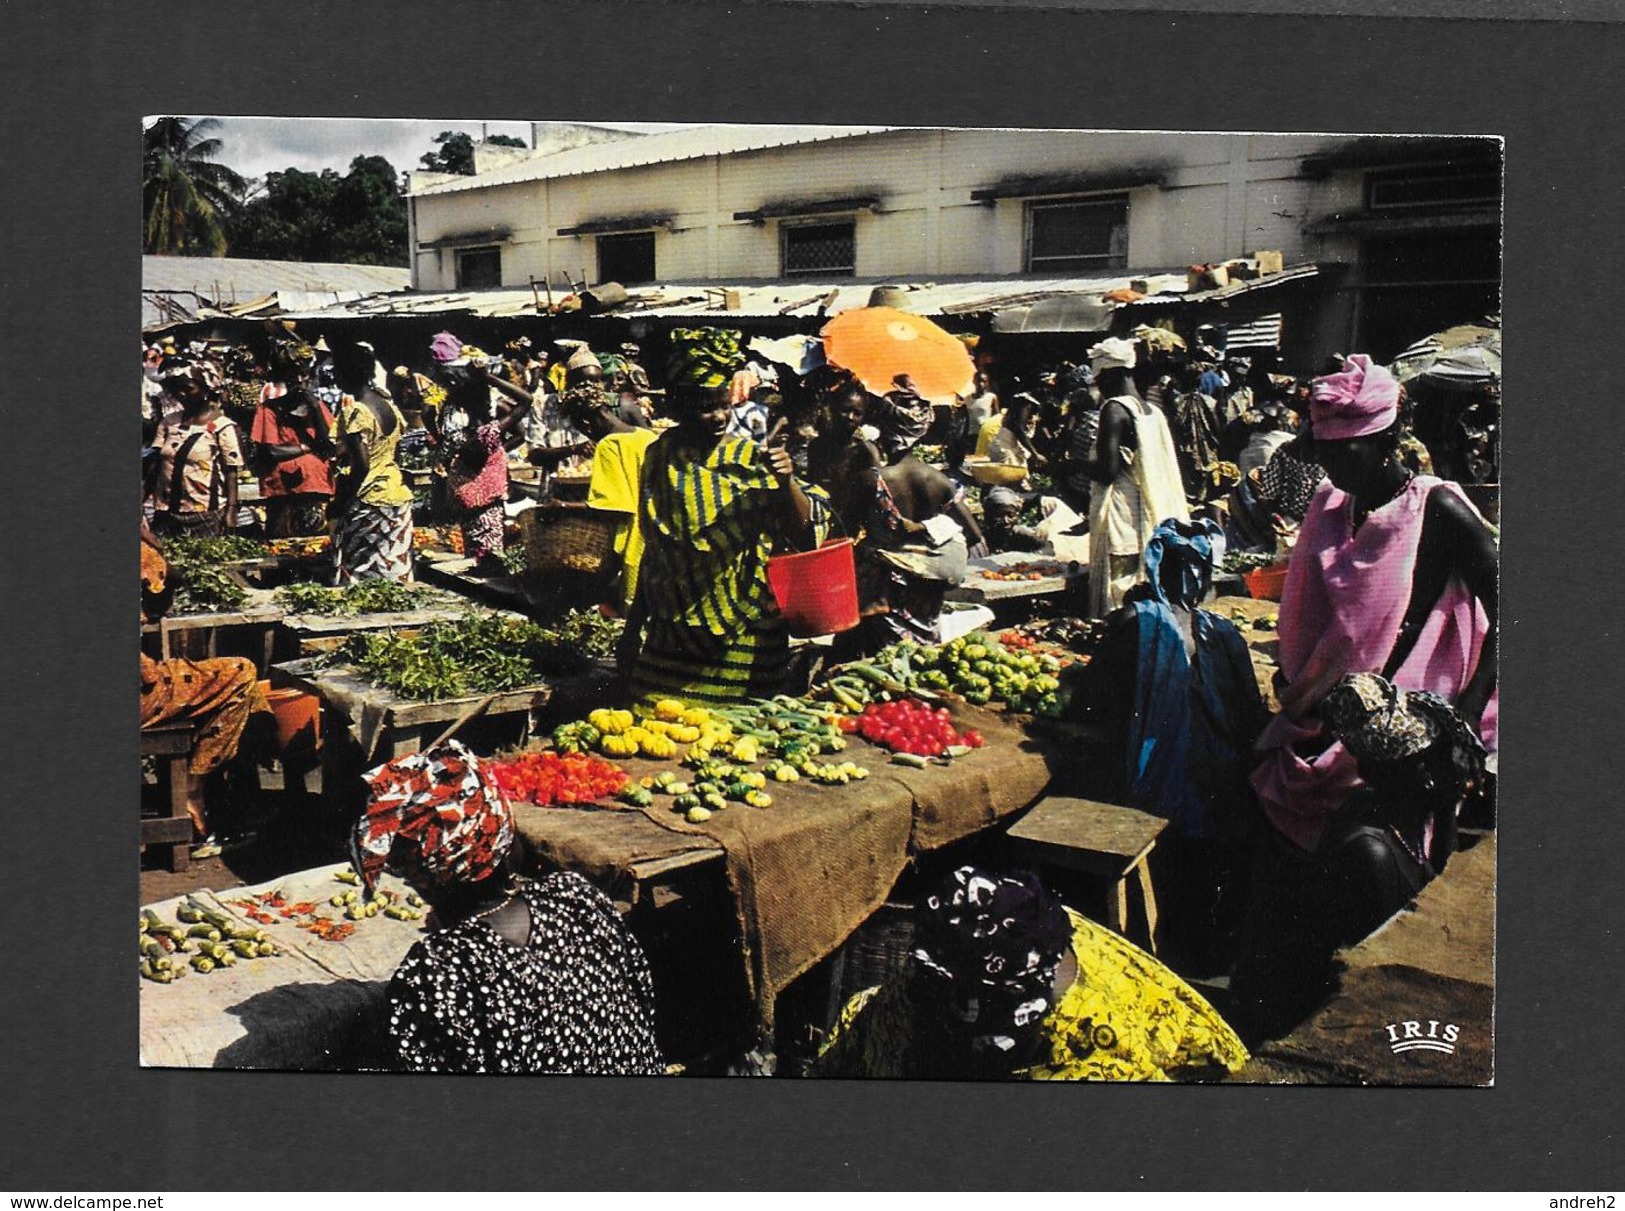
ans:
(477, 654)
(201, 586)
(362, 597)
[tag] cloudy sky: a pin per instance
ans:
(256, 146)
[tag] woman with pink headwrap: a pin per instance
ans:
(521, 975)
(1393, 573)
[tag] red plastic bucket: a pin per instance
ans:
(296, 713)
(817, 591)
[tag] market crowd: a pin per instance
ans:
(1158, 465)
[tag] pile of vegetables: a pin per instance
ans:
(361, 597)
(477, 654)
(553, 777)
(315, 544)
(910, 728)
(1247, 561)
(210, 939)
(1027, 569)
(977, 667)
(201, 583)
(1264, 622)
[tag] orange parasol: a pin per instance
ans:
(878, 343)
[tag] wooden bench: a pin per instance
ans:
(172, 744)
(1101, 840)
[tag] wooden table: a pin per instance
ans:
(308, 634)
(978, 589)
(1102, 840)
(841, 848)
(455, 572)
(197, 636)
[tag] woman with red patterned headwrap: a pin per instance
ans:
(522, 974)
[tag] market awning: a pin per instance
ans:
(1407, 224)
(636, 222)
(1103, 181)
(808, 208)
(468, 239)
(1059, 313)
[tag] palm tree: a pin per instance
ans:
(186, 195)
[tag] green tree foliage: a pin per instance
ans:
(188, 199)
(455, 152)
(358, 218)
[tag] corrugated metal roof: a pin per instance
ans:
(801, 297)
(226, 280)
(670, 147)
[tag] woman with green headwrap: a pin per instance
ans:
(711, 511)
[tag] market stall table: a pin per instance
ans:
(251, 628)
(456, 572)
(1058, 576)
(310, 633)
(316, 1005)
(804, 873)
(364, 724)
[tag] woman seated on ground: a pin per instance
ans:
(1387, 841)
(518, 975)
(372, 503)
(216, 697)
(704, 626)
(1006, 983)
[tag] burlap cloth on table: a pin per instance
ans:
(806, 872)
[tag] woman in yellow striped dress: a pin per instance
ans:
(711, 509)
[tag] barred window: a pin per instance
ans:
(809, 249)
(1077, 234)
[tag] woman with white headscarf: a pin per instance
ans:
(1136, 478)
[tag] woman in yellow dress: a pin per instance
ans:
(1006, 983)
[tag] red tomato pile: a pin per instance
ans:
(548, 778)
(1017, 642)
(909, 726)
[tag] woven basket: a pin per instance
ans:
(879, 950)
(568, 538)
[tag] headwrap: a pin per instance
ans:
(198, 369)
(703, 357)
(1001, 496)
(1361, 399)
(1188, 549)
(1378, 721)
(438, 813)
(997, 941)
(581, 359)
(1112, 353)
(445, 348)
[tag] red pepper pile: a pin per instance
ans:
(550, 777)
(910, 726)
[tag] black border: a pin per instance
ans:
(78, 1113)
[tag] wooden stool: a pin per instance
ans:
(174, 742)
(1098, 839)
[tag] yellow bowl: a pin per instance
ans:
(1001, 474)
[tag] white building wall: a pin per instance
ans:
(1223, 196)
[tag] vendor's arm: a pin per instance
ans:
(352, 469)
(794, 507)
(1456, 542)
(518, 394)
(1116, 435)
(973, 533)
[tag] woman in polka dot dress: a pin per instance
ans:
(522, 975)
